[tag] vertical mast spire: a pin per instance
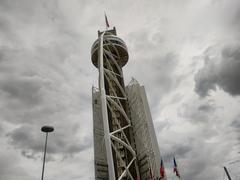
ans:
(106, 21)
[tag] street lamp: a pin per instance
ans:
(45, 129)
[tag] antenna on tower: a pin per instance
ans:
(106, 21)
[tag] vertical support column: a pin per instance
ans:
(107, 137)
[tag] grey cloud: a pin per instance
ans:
(200, 112)
(160, 79)
(41, 80)
(196, 170)
(26, 138)
(176, 98)
(45, 55)
(149, 43)
(178, 150)
(10, 168)
(38, 83)
(30, 141)
(206, 108)
(162, 76)
(6, 32)
(150, 58)
(23, 89)
(223, 72)
(26, 9)
(232, 18)
(159, 126)
(30, 155)
(236, 123)
(196, 157)
(1, 129)
(204, 162)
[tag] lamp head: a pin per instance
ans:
(47, 129)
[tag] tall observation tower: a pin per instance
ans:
(125, 144)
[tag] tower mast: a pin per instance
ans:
(109, 55)
(125, 143)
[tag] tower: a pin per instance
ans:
(125, 144)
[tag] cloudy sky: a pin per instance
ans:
(186, 53)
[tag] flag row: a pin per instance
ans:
(162, 171)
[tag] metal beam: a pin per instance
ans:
(111, 171)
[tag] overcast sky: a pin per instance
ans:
(185, 52)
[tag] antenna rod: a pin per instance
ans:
(226, 171)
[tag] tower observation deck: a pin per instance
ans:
(125, 144)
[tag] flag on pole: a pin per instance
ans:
(106, 21)
(162, 170)
(151, 175)
(175, 170)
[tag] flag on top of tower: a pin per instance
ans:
(175, 169)
(106, 21)
(162, 170)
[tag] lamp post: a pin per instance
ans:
(227, 173)
(45, 129)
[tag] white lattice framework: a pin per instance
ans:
(121, 156)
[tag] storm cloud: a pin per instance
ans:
(181, 51)
(221, 70)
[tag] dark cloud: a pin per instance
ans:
(222, 71)
(206, 108)
(25, 90)
(39, 66)
(30, 141)
(32, 86)
(46, 77)
(236, 123)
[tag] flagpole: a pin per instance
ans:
(106, 21)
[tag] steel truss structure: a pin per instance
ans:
(121, 155)
(125, 144)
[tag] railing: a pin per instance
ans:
(113, 39)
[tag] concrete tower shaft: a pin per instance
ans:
(109, 54)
